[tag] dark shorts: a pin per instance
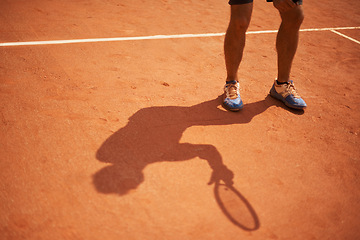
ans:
(235, 2)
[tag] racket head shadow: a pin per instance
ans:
(236, 207)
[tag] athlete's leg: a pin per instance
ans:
(235, 38)
(287, 40)
(286, 44)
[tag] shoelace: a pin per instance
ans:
(292, 90)
(232, 90)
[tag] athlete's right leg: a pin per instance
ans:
(233, 49)
(235, 38)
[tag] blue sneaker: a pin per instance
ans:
(232, 100)
(288, 95)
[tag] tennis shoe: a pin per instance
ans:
(232, 100)
(287, 94)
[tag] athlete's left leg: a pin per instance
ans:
(286, 45)
(287, 40)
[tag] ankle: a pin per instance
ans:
(280, 82)
(231, 78)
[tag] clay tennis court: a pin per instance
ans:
(111, 120)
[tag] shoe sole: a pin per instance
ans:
(232, 109)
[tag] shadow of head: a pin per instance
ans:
(117, 179)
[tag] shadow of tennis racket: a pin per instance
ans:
(235, 207)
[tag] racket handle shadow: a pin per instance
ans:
(252, 225)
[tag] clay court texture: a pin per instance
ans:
(111, 119)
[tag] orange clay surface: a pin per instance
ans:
(115, 140)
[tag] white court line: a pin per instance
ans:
(345, 36)
(117, 39)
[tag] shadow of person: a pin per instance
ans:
(152, 135)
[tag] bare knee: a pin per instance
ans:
(239, 23)
(240, 17)
(293, 18)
